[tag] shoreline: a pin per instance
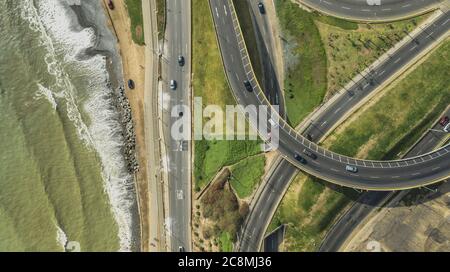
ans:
(133, 67)
(105, 45)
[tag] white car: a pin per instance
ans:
(173, 85)
(447, 128)
(180, 194)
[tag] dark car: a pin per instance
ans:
(110, 4)
(444, 121)
(310, 154)
(131, 84)
(261, 7)
(299, 158)
(248, 86)
(181, 60)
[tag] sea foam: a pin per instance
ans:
(50, 18)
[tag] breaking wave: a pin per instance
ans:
(51, 20)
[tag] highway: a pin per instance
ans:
(372, 175)
(370, 201)
(267, 45)
(273, 195)
(177, 157)
(372, 10)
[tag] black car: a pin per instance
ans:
(299, 158)
(261, 7)
(181, 60)
(131, 84)
(310, 154)
(248, 86)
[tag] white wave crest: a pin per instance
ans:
(47, 94)
(61, 237)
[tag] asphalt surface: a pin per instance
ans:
(370, 201)
(178, 43)
(252, 234)
(372, 10)
(266, 48)
(271, 196)
(372, 175)
(272, 241)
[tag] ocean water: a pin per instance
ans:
(63, 177)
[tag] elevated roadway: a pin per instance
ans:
(372, 10)
(371, 175)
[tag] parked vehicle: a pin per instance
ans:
(351, 168)
(173, 85)
(444, 121)
(131, 84)
(110, 4)
(248, 86)
(300, 158)
(310, 154)
(261, 7)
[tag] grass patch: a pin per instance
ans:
(137, 22)
(350, 51)
(226, 245)
(305, 60)
(310, 194)
(247, 174)
(310, 209)
(161, 17)
(211, 156)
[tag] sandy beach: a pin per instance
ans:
(133, 59)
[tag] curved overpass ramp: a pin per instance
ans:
(372, 10)
(372, 175)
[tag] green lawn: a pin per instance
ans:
(226, 245)
(211, 156)
(305, 60)
(383, 130)
(247, 174)
(137, 25)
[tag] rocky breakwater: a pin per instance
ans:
(129, 135)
